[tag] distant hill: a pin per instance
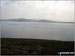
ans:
(26, 20)
(33, 20)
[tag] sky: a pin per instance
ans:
(49, 10)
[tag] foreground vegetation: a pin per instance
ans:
(18, 46)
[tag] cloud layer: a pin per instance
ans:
(51, 10)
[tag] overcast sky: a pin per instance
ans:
(51, 10)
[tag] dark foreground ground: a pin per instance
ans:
(18, 46)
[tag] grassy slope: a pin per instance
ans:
(13, 46)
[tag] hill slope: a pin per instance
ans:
(14, 46)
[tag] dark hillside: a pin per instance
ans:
(15, 46)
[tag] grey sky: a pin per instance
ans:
(51, 10)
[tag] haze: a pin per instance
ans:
(50, 10)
